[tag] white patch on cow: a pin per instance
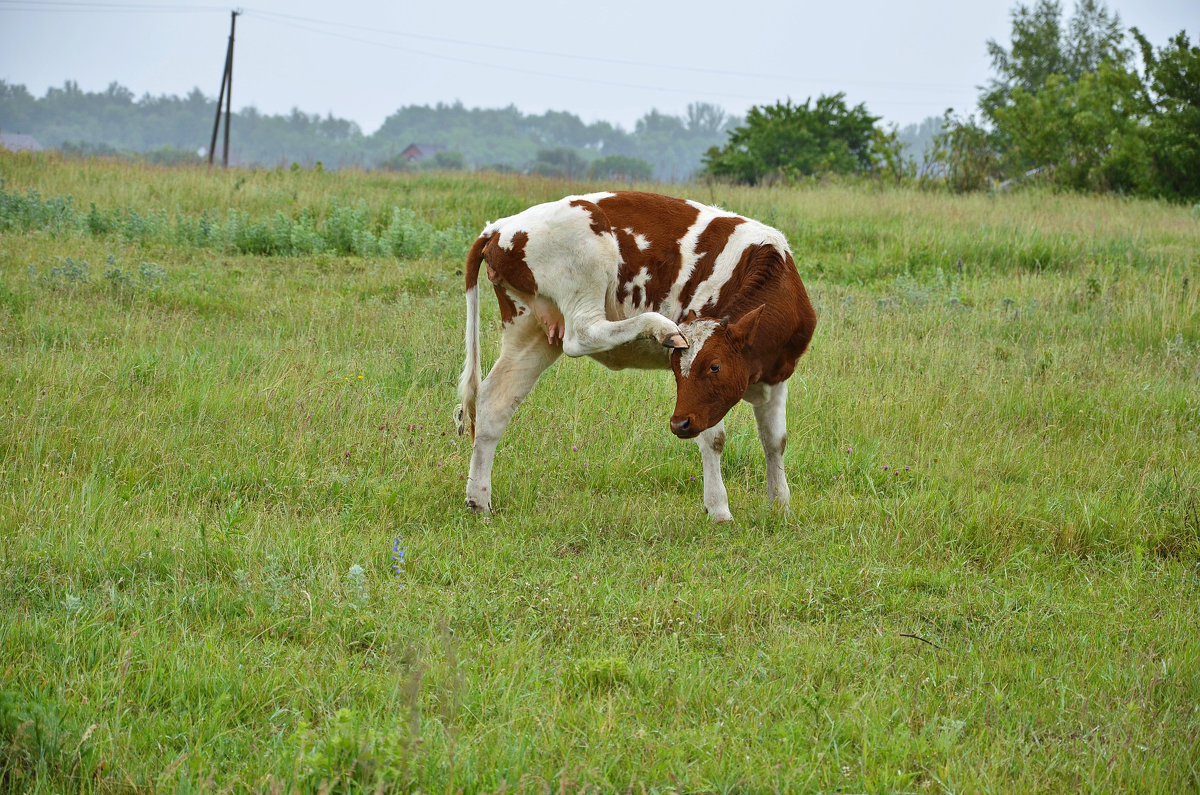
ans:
(689, 256)
(639, 280)
(747, 234)
(696, 334)
(544, 218)
(640, 240)
(592, 197)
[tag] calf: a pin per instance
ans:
(639, 280)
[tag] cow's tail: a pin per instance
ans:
(468, 382)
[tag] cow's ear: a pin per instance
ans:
(691, 316)
(742, 331)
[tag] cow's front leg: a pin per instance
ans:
(524, 355)
(590, 332)
(716, 500)
(770, 412)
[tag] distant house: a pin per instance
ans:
(418, 152)
(19, 142)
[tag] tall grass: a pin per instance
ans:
(987, 580)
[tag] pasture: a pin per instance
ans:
(226, 399)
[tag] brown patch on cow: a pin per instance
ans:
(718, 443)
(474, 259)
(508, 307)
(767, 277)
(770, 323)
(508, 266)
(709, 246)
(599, 224)
(782, 444)
(663, 222)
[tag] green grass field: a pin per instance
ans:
(224, 396)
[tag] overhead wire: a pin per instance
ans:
(326, 27)
(507, 67)
(111, 8)
(590, 58)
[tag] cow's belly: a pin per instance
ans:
(638, 355)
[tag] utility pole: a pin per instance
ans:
(225, 96)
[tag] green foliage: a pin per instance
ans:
(888, 158)
(562, 163)
(963, 157)
(1041, 49)
(36, 744)
(600, 674)
(170, 130)
(1067, 110)
(1172, 132)
(446, 161)
(1087, 131)
(349, 754)
(787, 141)
(620, 168)
(30, 211)
(348, 229)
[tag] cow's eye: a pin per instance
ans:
(714, 368)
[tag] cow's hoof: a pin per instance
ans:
(477, 507)
(460, 419)
(675, 341)
(719, 516)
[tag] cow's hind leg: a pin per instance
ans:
(716, 499)
(770, 412)
(524, 355)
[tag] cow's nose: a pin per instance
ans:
(681, 427)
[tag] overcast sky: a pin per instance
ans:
(363, 59)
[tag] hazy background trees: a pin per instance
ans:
(660, 146)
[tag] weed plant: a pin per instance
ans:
(234, 555)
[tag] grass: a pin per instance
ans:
(987, 582)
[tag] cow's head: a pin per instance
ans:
(711, 374)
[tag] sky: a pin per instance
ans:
(612, 61)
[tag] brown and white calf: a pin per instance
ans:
(639, 280)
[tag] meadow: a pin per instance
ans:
(226, 407)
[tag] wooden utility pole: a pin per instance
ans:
(225, 96)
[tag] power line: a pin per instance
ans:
(282, 18)
(692, 92)
(104, 8)
(267, 15)
(507, 67)
(294, 21)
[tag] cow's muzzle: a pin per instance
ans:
(684, 428)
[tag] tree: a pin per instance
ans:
(1041, 48)
(1086, 131)
(963, 154)
(1068, 106)
(1172, 101)
(790, 141)
(620, 167)
(705, 118)
(560, 162)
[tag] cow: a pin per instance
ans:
(639, 280)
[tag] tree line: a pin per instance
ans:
(174, 129)
(1077, 103)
